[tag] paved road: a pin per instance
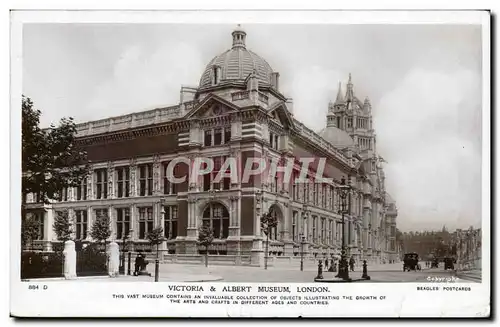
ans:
(288, 274)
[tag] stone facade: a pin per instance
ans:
(239, 113)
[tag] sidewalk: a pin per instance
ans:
(473, 275)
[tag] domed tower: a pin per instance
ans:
(235, 65)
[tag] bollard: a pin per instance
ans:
(157, 269)
(129, 263)
(365, 271)
(320, 270)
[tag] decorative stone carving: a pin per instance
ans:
(90, 178)
(133, 171)
(111, 175)
(156, 174)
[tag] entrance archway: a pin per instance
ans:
(216, 216)
(277, 213)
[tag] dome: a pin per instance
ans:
(337, 137)
(237, 63)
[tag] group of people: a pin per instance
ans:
(352, 263)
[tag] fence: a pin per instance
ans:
(41, 265)
(91, 261)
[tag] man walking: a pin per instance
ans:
(352, 262)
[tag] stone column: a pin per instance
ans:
(72, 220)
(90, 185)
(133, 222)
(192, 232)
(133, 177)
(156, 175)
(111, 180)
(233, 241)
(287, 237)
(69, 260)
(113, 252)
(112, 222)
(90, 222)
(48, 231)
(257, 253)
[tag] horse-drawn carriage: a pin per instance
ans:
(449, 263)
(410, 262)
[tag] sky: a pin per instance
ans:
(424, 83)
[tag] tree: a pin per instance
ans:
(62, 226)
(205, 238)
(268, 221)
(155, 237)
(29, 231)
(101, 229)
(51, 159)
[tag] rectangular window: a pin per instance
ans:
(38, 217)
(81, 190)
(145, 221)
(122, 223)
(170, 218)
(227, 134)
(101, 183)
(349, 122)
(123, 182)
(217, 136)
(63, 195)
(323, 195)
(271, 140)
(208, 138)
(81, 224)
(276, 142)
(146, 179)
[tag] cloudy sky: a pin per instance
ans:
(424, 82)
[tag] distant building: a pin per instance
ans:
(237, 110)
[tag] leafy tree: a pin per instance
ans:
(29, 231)
(205, 238)
(101, 229)
(51, 160)
(62, 226)
(155, 237)
(268, 221)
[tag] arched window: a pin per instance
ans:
(216, 217)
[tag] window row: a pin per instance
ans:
(217, 136)
(322, 230)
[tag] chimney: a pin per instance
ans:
(275, 80)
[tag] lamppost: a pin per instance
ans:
(129, 252)
(302, 241)
(343, 264)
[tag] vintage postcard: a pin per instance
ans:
(250, 164)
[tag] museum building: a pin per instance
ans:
(236, 111)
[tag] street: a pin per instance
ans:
(380, 273)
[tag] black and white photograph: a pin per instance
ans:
(264, 165)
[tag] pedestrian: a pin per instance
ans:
(137, 264)
(352, 262)
(326, 264)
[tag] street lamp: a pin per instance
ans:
(302, 241)
(129, 249)
(343, 264)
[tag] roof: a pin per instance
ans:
(337, 137)
(237, 63)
